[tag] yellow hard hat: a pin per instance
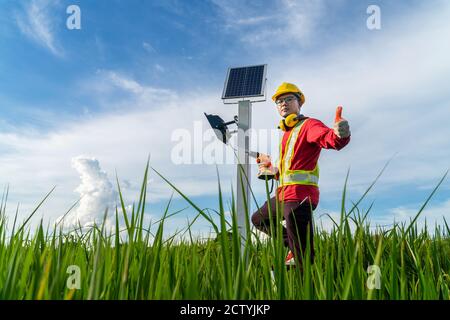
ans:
(289, 88)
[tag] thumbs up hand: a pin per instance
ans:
(341, 127)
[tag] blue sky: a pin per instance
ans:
(117, 89)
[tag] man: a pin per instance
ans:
(297, 170)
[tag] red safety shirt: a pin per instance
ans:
(313, 136)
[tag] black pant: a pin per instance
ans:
(299, 223)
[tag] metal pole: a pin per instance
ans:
(243, 167)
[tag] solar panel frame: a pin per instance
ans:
(239, 85)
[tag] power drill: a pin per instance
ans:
(265, 172)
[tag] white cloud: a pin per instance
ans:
(148, 47)
(125, 83)
(107, 81)
(159, 68)
(37, 23)
(253, 20)
(96, 195)
(139, 126)
(289, 21)
(432, 215)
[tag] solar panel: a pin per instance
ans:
(245, 82)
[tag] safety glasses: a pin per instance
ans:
(289, 99)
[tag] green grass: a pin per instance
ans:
(414, 264)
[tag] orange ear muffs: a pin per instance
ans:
(290, 121)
